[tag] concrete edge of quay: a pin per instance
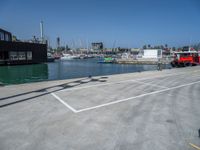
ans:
(113, 77)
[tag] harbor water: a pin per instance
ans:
(66, 70)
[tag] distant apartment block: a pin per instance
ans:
(97, 46)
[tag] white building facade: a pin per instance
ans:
(150, 54)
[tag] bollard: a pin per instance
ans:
(159, 67)
(159, 63)
(1, 84)
(199, 133)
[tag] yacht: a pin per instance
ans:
(69, 57)
(66, 57)
(50, 57)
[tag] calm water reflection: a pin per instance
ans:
(65, 70)
(23, 74)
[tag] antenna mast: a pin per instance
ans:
(41, 32)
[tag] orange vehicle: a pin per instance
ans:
(185, 58)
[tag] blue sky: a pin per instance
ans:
(131, 23)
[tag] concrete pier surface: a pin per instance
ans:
(154, 110)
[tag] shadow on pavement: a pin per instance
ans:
(45, 92)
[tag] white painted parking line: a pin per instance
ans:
(155, 85)
(64, 103)
(96, 85)
(134, 97)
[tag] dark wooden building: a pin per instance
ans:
(13, 53)
(5, 35)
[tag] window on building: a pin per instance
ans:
(6, 37)
(29, 55)
(1, 55)
(22, 55)
(1, 36)
(13, 56)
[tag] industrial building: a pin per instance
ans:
(14, 53)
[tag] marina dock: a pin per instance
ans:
(143, 61)
(156, 110)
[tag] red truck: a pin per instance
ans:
(186, 58)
